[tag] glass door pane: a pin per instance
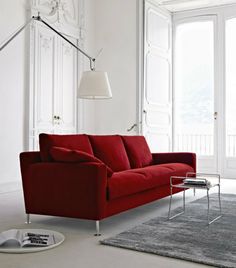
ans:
(194, 88)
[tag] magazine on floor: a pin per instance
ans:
(20, 238)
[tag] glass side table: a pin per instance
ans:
(177, 182)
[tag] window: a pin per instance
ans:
(194, 87)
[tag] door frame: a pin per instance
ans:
(229, 13)
(140, 65)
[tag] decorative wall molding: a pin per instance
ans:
(66, 15)
(45, 42)
(67, 49)
(54, 68)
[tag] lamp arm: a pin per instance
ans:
(91, 59)
(4, 44)
(38, 18)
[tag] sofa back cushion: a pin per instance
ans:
(60, 154)
(74, 142)
(111, 150)
(138, 151)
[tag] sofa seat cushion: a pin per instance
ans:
(137, 180)
(138, 151)
(111, 150)
(178, 169)
(74, 142)
(60, 154)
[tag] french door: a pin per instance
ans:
(205, 87)
(197, 113)
(195, 89)
(157, 93)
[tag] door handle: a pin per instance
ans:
(132, 127)
(215, 115)
(56, 119)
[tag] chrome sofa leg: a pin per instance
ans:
(28, 219)
(97, 228)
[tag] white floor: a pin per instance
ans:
(81, 248)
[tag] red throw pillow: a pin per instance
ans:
(111, 150)
(75, 156)
(138, 151)
(70, 141)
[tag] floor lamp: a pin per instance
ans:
(93, 84)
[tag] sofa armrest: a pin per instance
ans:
(75, 190)
(164, 158)
(26, 160)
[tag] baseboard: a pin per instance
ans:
(11, 186)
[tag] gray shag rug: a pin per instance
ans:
(188, 236)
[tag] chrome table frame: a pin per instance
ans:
(194, 187)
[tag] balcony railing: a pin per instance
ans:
(231, 145)
(203, 144)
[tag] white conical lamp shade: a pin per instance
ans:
(94, 85)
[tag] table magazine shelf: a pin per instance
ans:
(212, 180)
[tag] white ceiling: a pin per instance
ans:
(180, 5)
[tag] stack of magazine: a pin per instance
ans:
(21, 238)
(196, 182)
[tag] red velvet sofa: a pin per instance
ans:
(94, 177)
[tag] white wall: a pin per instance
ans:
(13, 90)
(86, 110)
(116, 32)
